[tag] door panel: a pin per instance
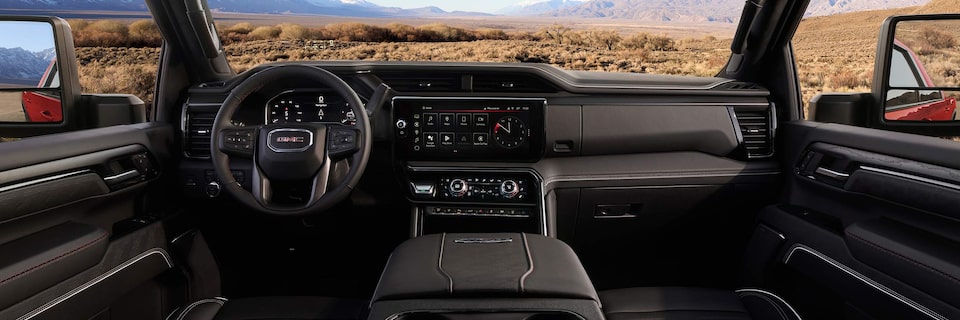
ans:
(870, 223)
(73, 235)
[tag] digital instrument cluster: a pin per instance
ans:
(298, 106)
(468, 129)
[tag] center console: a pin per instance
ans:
(484, 276)
(433, 136)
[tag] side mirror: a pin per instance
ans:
(39, 85)
(916, 78)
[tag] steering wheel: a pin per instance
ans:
(330, 157)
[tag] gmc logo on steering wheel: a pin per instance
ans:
(290, 139)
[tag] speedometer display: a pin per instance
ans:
(309, 106)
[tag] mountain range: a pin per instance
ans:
(639, 10)
(22, 67)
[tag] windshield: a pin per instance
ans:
(685, 38)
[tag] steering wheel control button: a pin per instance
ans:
(341, 141)
(289, 140)
(239, 141)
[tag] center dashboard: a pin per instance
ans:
(447, 128)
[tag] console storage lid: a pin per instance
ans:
(458, 265)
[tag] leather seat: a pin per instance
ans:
(272, 308)
(680, 303)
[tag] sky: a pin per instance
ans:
(32, 36)
(488, 6)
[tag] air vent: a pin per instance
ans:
(757, 131)
(422, 82)
(198, 122)
(737, 85)
(511, 83)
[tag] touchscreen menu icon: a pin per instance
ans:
(430, 120)
(446, 138)
(446, 120)
(430, 139)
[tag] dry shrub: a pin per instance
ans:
(441, 32)
(601, 38)
(264, 33)
(556, 33)
(240, 28)
(490, 34)
(293, 31)
(937, 39)
(78, 24)
(846, 79)
(108, 26)
(146, 32)
(648, 41)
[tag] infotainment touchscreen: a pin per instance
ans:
(468, 129)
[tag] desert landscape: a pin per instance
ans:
(834, 53)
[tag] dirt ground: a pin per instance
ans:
(10, 109)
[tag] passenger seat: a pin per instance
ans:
(681, 303)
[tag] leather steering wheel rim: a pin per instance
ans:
(331, 195)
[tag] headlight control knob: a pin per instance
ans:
(212, 189)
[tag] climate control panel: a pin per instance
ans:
(497, 188)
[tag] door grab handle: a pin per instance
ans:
(112, 180)
(832, 174)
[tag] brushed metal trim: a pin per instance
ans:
(42, 180)
(870, 282)
(98, 279)
(912, 177)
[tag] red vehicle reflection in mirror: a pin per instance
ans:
(41, 106)
(918, 105)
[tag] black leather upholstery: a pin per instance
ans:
(499, 265)
(680, 303)
(272, 308)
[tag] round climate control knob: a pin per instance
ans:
(509, 189)
(458, 187)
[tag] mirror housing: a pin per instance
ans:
(915, 114)
(843, 108)
(66, 61)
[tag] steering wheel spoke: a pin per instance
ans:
(238, 142)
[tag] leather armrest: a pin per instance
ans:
(33, 263)
(484, 265)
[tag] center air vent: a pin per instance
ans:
(510, 83)
(755, 127)
(415, 82)
(198, 122)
